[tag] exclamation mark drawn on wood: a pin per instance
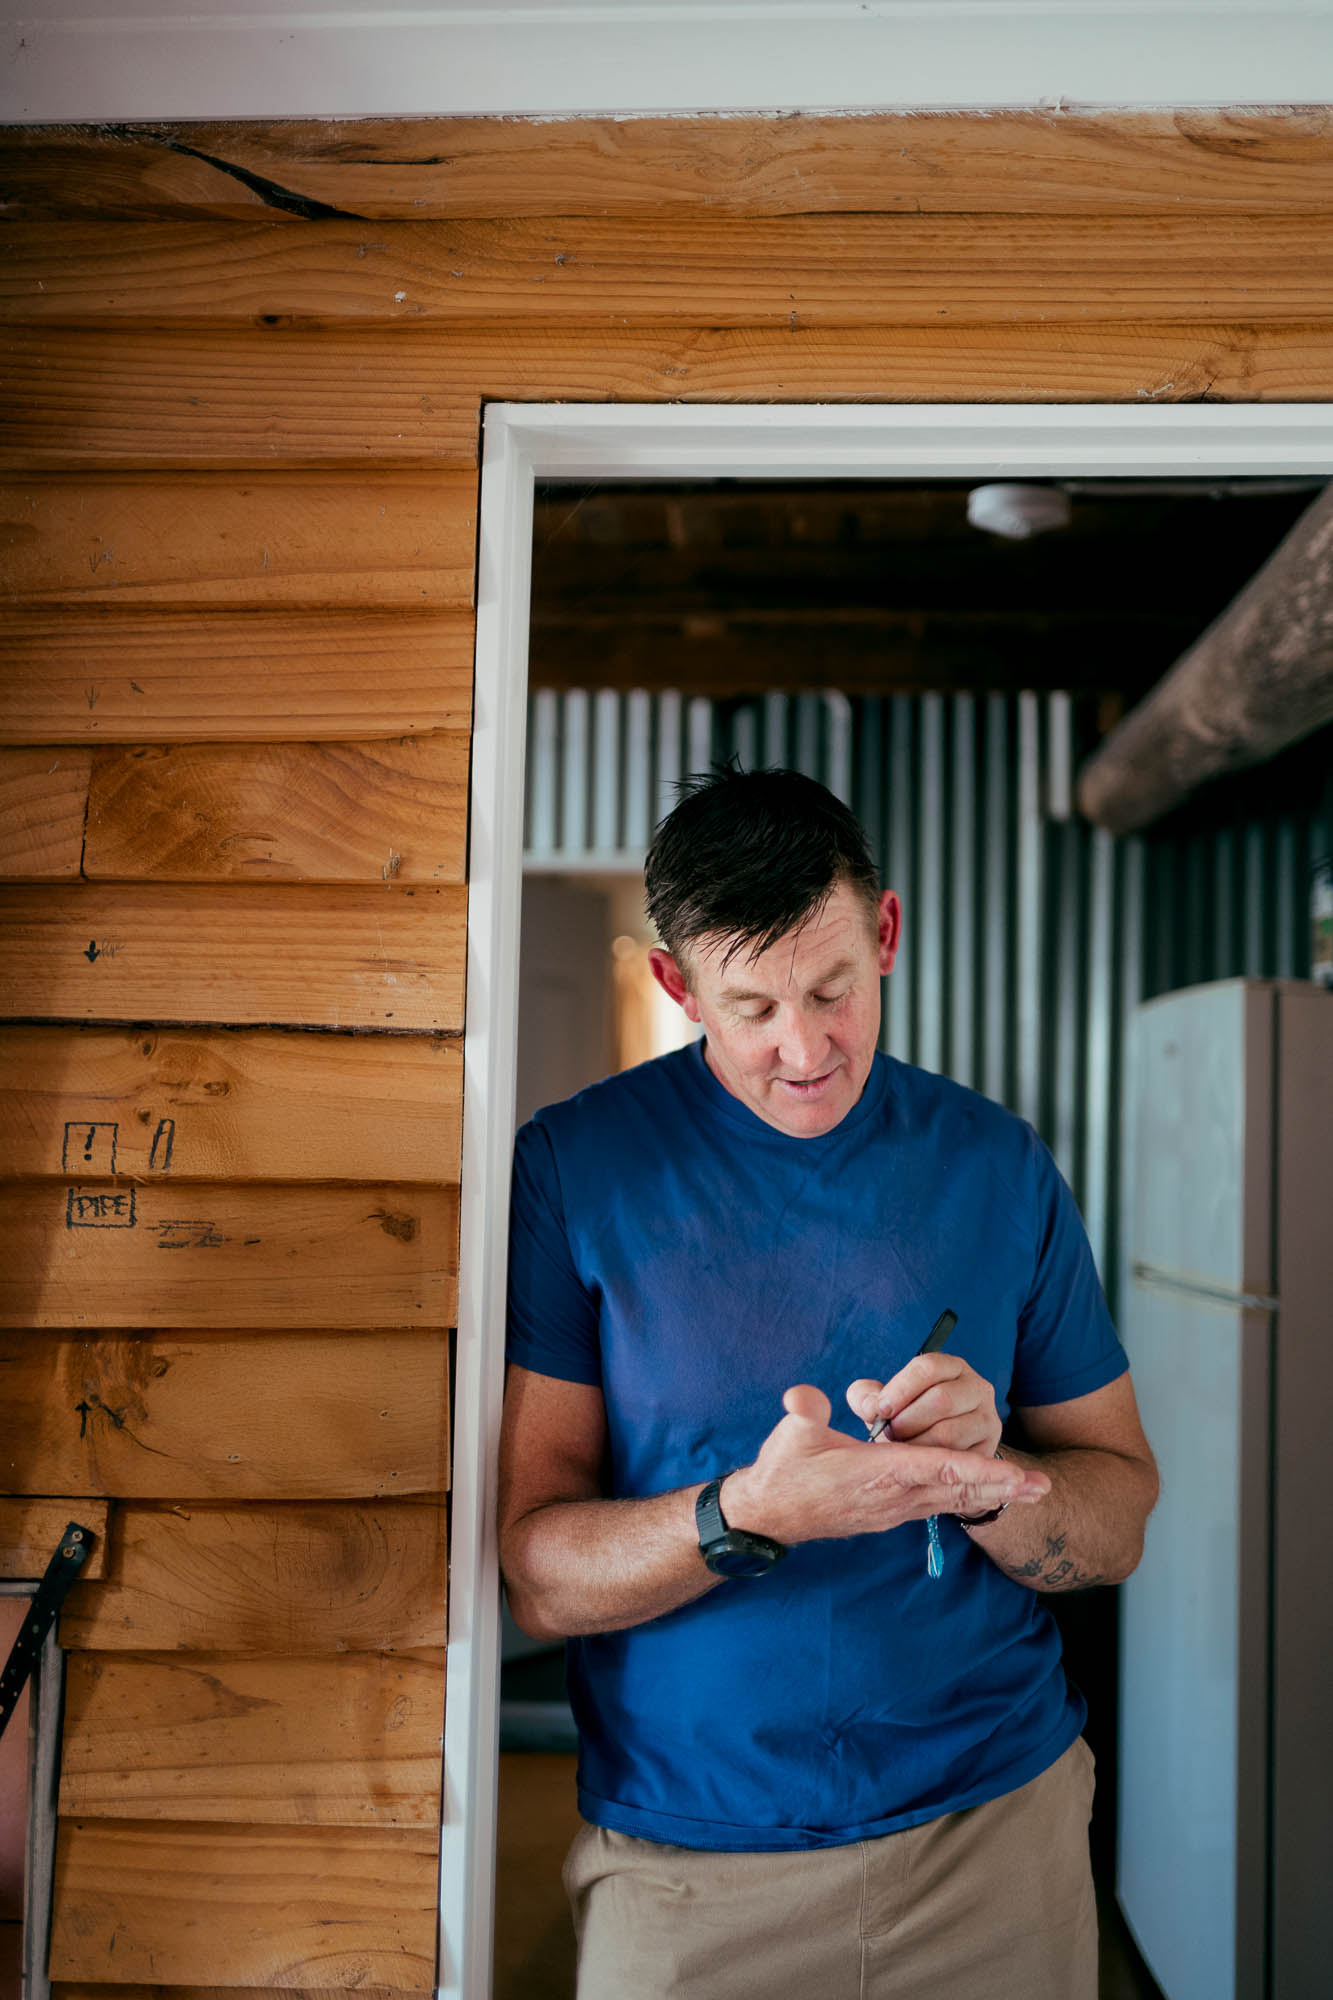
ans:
(90, 1146)
(164, 1139)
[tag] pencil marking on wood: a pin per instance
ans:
(93, 1406)
(164, 1140)
(188, 1233)
(113, 1209)
(90, 1145)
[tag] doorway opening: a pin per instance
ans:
(917, 449)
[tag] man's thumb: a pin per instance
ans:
(808, 1405)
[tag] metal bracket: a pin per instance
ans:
(64, 1566)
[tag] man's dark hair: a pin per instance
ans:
(749, 856)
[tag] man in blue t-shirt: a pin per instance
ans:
(827, 1747)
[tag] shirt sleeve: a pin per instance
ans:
(1067, 1345)
(553, 1318)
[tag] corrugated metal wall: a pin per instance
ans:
(1029, 935)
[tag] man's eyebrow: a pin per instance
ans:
(826, 978)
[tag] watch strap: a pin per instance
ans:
(731, 1551)
(708, 1514)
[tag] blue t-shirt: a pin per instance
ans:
(694, 1262)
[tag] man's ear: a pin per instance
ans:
(890, 930)
(672, 981)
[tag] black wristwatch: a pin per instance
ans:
(731, 1551)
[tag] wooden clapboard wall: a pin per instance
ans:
(244, 371)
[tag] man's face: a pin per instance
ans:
(792, 1033)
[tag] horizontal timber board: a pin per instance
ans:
(98, 1253)
(258, 1906)
(187, 539)
(126, 396)
(30, 1532)
(336, 957)
(175, 1416)
(378, 811)
(849, 270)
(277, 396)
(232, 676)
(298, 812)
(65, 1989)
(1014, 161)
(348, 1741)
(247, 1104)
(332, 1576)
(43, 803)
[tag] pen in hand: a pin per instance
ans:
(934, 1340)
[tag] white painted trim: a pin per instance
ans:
(46, 1698)
(495, 869)
(524, 442)
(170, 59)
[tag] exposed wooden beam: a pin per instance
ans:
(1260, 677)
(638, 554)
(871, 652)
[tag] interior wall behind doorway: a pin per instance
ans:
(1029, 935)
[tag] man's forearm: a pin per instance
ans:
(576, 1566)
(1089, 1528)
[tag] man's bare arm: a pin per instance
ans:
(572, 1560)
(575, 1562)
(1089, 1528)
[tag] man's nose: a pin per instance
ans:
(803, 1044)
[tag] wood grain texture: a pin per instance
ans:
(98, 1253)
(43, 800)
(324, 1577)
(277, 396)
(240, 1104)
(351, 1741)
(134, 677)
(121, 397)
(1013, 162)
(63, 1989)
(277, 538)
(387, 811)
(257, 1906)
(846, 270)
(176, 1416)
(323, 957)
(30, 1531)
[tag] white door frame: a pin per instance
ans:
(527, 442)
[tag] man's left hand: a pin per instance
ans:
(937, 1399)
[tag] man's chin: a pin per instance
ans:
(806, 1114)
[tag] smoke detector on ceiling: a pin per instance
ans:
(1018, 512)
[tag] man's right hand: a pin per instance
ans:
(810, 1483)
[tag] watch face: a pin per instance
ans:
(740, 1554)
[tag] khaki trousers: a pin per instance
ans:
(992, 1902)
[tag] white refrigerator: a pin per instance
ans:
(1225, 1829)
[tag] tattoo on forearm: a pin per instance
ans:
(1055, 1570)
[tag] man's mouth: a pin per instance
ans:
(806, 1086)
